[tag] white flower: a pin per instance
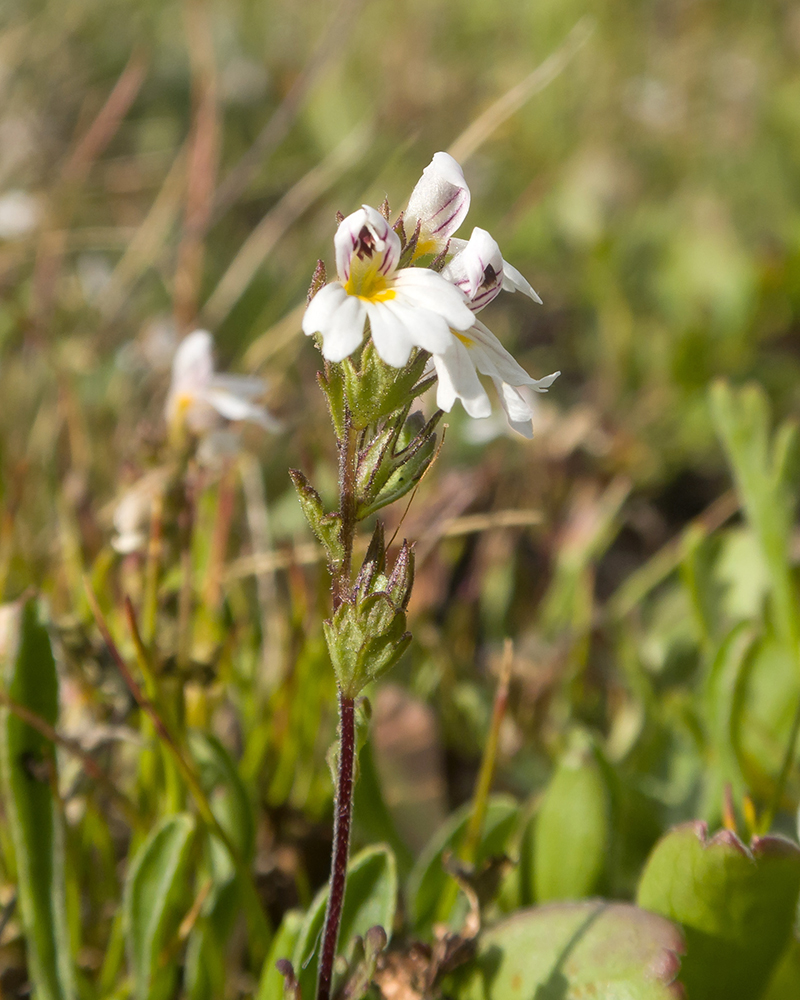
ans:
(134, 510)
(20, 213)
(407, 308)
(198, 396)
(480, 271)
(438, 204)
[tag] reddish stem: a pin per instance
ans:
(341, 845)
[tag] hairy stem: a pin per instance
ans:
(341, 845)
(343, 810)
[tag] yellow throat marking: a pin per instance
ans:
(371, 288)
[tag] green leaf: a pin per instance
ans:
(765, 474)
(428, 881)
(568, 951)
(270, 985)
(205, 958)
(153, 892)
(785, 980)
(571, 829)
(326, 527)
(370, 900)
(31, 807)
(737, 906)
(226, 793)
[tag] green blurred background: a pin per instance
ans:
(647, 186)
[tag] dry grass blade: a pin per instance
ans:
(275, 223)
(201, 168)
(146, 245)
(309, 553)
(109, 119)
(273, 133)
(50, 251)
(474, 136)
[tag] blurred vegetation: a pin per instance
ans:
(165, 166)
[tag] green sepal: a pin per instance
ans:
(376, 390)
(365, 639)
(331, 382)
(327, 527)
(406, 467)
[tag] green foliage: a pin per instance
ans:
(31, 805)
(371, 901)
(566, 950)
(427, 884)
(572, 828)
(641, 551)
(271, 982)
(736, 906)
(155, 894)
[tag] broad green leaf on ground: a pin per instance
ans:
(370, 900)
(785, 980)
(571, 828)
(34, 817)
(270, 985)
(427, 882)
(572, 951)
(736, 905)
(154, 891)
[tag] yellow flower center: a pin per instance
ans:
(425, 246)
(464, 340)
(369, 286)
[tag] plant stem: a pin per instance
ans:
(347, 511)
(343, 809)
(341, 845)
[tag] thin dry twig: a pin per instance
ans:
(309, 553)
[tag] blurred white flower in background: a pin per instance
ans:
(200, 399)
(20, 214)
(134, 511)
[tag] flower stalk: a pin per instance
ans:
(400, 315)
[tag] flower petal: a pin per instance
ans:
(517, 408)
(366, 237)
(193, 364)
(390, 334)
(322, 307)
(491, 358)
(426, 329)
(439, 202)
(459, 380)
(245, 386)
(345, 331)
(234, 407)
(513, 281)
(477, 269)
(428, 290)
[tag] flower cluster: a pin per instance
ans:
(418, 287)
